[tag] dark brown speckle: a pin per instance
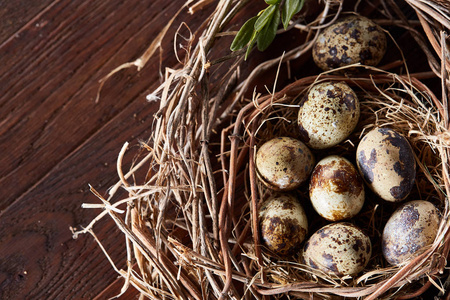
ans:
(367, 165)
(330, 264)
(405, 166)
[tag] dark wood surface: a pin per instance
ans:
(55, 140)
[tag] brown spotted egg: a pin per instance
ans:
(386, 162)
(336, 189)
(354, 39)
(328, 115)
(284, 163)
(411, 227)
(283, 224)
(338, 249)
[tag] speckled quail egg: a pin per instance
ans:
(284, 163)
(386, 162)
(283, 224)
(411, 227)
(336, 189)
(328, 115)
(351, 40)
(338, 249)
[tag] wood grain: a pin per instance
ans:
(55, 139)
(56, 77)
(15, 15)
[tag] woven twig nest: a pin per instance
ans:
(191, 225)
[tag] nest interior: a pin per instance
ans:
(190, 217)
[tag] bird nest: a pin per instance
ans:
(190, 220)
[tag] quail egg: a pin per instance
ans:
(386, 162)
(283, 224)
(284, 163)
(351, 40)
(338, 249)
(336, 189)
(328, 115)
(411, 227)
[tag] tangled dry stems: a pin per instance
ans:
(191, 226)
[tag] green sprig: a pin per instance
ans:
(262, 28)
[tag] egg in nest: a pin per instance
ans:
(336, 189)
(338, 249)
(386, 162)
(328, 115)
(351, 40)
(411, 227)
(283, 224)
(284, 163)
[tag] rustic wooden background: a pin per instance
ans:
(55, 139)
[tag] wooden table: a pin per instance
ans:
(55, 139)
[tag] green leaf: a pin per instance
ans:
(272, 2)
(289, 9)
(265, 17)
(268, 33)
(250, 45)
(244, 35)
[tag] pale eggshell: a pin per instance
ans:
(283, 224)
(411, 227)
(336, 189)
(338, 249)
(328, 115)
(354, 39)
(284, 163)
(386, 162)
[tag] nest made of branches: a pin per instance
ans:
(191, 222)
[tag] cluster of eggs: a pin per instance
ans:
(385, 163)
